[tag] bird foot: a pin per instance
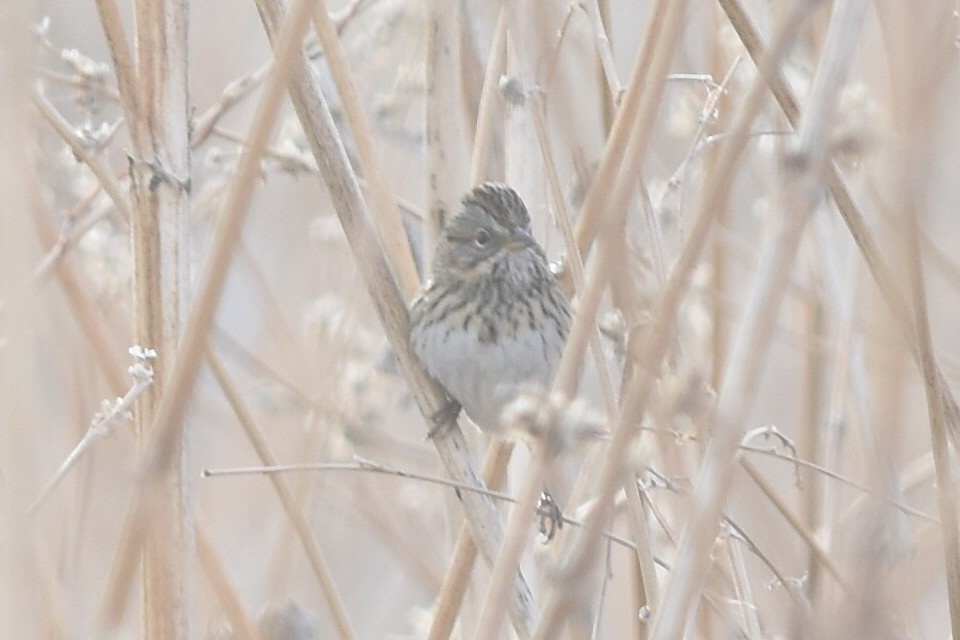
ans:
(550, 517)
(444, 418)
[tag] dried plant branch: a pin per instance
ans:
(495, 603)
(604, 50)
(915, 117)
(77, 225)
(744, 593)
(232, 95)
(237, 90)
(947, 495)
(820, 469)
(168, 424)
(123, 66)
(573, 261)
(369, 466)
(817, 550)
(160, 178)
(649, 587)
(106, 421)
(714, 93)
(80, 150)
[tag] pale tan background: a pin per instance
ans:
(297, 331)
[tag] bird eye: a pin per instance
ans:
(483, 238)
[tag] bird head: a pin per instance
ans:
(490, 234)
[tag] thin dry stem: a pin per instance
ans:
(385, 210)
(649, 587)
(745, 600)
(296, 516)
(105, 422)
(81, 219)
(518, 532)
(96, 166)
(484, 137)
(816, 550)
(574, 262)
(915, 118)
(604, 51)
(457, 578)
(946, 489)
(594, 206)
(123, 66)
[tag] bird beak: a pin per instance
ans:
(520, 239)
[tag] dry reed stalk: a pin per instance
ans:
(443, 129)
(123, 67)
(82, 216)
(583, 548)
(386, 214)
(573, 260)
(292, 510)
(495, 602)
(648, 587)
(153, 95)
(594, 206)
(481, 157)
(391, 308)
(812, 441)
(818, 553)
(457, 579)
(162, 449)
(604, 50)
(742, 371)
(160, 175)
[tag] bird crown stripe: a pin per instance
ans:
(501, 202)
